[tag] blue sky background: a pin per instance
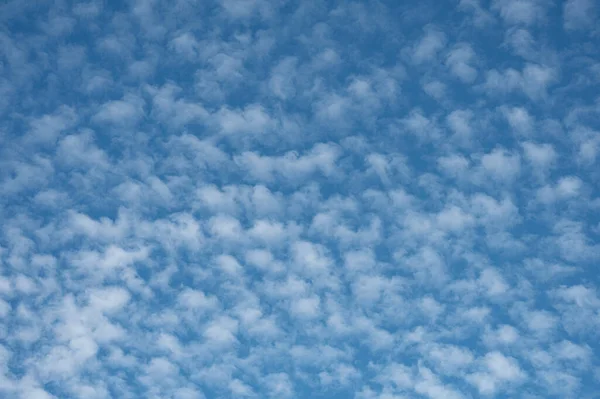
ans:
(299, 199)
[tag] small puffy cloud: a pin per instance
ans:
(579, 14)
(221, 333)
(501, 165)
(47, 128)
(291, 166)
(498, 371)
(186, 45)
(566, 187)
(241, 9)
(540, 156)
(435, 89)
(430, 386)
(461, 121)
(525, 12)
(306, 308)
(451, 359)
(519, 120)
(454, 165)
(533, 80)
(239, 389)
(428, 46)
(428, 266)
(125, 112)
(420, 125)
(311, 258)
(226, 228)
(459, 60)
(79, 150)
(502, 367)
(251, 120)
(109, 299)
(282, 80)
(481, 17)
(196, 300)
(501, 336)
(454, 219)
(279, 385)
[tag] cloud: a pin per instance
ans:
(253, 119)
(291, 166)
(525, 12)
(460, 122)
(47, 128)
(127, 111)
(533, 80)
(499, 370)
(79, 150)
(519, 120)
(481, 18)
(458, 61)
(500, 165)
(541, 156)
(578, 14)
(567, 187)
(427, 47)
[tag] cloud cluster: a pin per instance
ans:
(287, 199)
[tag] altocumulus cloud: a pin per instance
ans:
(299, 199)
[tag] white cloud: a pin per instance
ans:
(80, 151)
(241, 8)
(306, 308)
(503, 335)
(186, 45)
(430, 386)
(454, 165)
(251, 120)
(290, 166)
(500, 370)
(435, 89)
(281, 83)
(221, 333)
(519, 120)
(460, 121)
(578, 14)
(480, 16)
(428, 46)
(127, 111)
(239, 389)
(525, 12)
(533, 80)
(421, 126)
(501, 165)
(541, 156)
(428, 266)
(451, 359)
(459, 61)
(565, 188)
(502, 367)
(47, 128)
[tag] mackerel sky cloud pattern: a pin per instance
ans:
(299, 199)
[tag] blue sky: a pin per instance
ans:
(299, 199)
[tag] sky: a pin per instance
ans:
(299, 199)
